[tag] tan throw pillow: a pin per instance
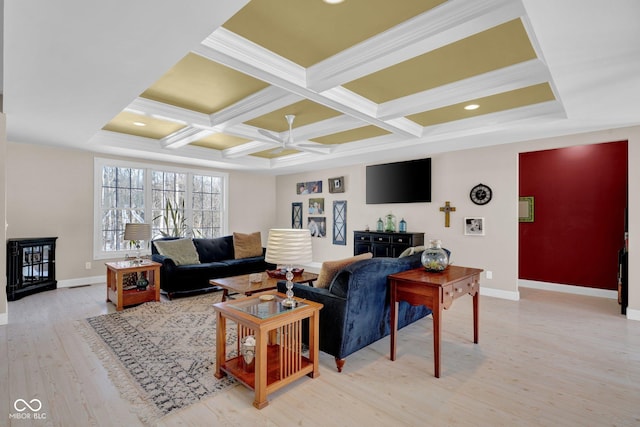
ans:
(247, 245)
(330, 269)
(412, 250)
(181, 251)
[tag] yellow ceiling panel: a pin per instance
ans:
(306, 112)
(154, 128)
(195, 83)
(490, 104)
(307, 32)
(220, 141)
(490, 50)
(364, 132)
(272, 154)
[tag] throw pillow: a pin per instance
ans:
(181, 251)
(331, 268)
(411, 251)
(247, 245)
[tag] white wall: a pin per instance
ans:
(453, 176)
(4, 317)
(50, 193)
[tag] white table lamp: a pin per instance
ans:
(135, 232)
(286, 247)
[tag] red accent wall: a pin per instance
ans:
(580, 198)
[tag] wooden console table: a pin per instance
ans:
(436, 291)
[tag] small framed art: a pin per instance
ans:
(336, 185)
(474, 226)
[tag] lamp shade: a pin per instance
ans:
(137, 231)
(288, 246)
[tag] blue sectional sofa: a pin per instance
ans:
(217, 259)
(356, 305)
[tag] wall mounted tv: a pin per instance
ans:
(400, 182)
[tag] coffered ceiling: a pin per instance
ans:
(367, 80)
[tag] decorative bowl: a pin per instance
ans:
(281, 274)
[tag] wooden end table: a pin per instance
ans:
(123, 298)
(242, 284)
(436, 291)
(278, 335)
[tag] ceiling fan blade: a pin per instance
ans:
(313, 148)
(270, 135)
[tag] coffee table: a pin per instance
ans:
(277, 331)
(242, 284)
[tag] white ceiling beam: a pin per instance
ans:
(233, 51)
(445, 24)
(162, 111)
(255, 105)
(505, 79)
(184, 136)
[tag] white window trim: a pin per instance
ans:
(99, 163)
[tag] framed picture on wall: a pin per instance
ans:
(474, 226)
(317, 225)
(336, 185)
(316, 206)
(296, 215)
(525, 209)
(340, 222)
(311, 187)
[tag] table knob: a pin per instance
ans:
(458, 289)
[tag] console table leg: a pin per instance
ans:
(437, 328)
(476, 298)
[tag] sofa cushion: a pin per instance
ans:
(247, 245)
(214, 249)
(331, 268)
(181, 251)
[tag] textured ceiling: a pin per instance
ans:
(376, 56)
(370, 78)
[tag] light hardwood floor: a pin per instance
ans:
(550, 359)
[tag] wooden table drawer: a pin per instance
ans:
(381, 239)
(362, 237)
(403, 240)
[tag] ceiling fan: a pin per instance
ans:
(289, 143)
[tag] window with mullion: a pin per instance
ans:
(168, 194)
(137, 192)
(122, 202)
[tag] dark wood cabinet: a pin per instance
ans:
(384, 244)
(31, 266)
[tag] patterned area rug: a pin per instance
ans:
(161, 355)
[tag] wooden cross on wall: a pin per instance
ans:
(447, 209)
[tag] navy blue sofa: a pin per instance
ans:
(356, 305)
(217, 259)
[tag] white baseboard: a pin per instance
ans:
(499, 293)
(70, 283)
(569, 289)
(4, 318)
(633, 314)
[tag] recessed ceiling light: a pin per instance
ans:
(471, 107)
(333, 1)
(139, 124)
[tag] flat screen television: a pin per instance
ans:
(400, 182)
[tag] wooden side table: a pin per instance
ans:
(123, 298)
(436, 291)
(278, 342)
